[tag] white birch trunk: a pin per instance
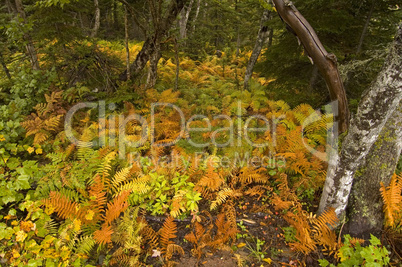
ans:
(184, 15)
(375, 108)
(263, 34)
(97, 19)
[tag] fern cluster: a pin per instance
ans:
(311, 231)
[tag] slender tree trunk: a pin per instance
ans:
(365, 28)
(115, 15)
(325, 62)
(153, 67)
(176, 48)
(150, 51)
(134, 16)
(197, 12)
(314, 77)
(4, 65)
(361, 41)
(10, 7)
(263, 34)
(97, 19)
(238, 36)
(126, 42)
(376, 107)
(30, 49)
(184, 15)
(365, 204)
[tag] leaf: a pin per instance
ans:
(268, 260)
(240, 245)
(156, 253)
(22, 181)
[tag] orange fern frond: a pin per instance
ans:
(64, 207)
(172, 249)
(150, 236)
(104, 235)
(392, 198)
(118, 206)
(167, 232)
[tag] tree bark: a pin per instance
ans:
(97, 19)
(30, 49)
(184, 15)
(263, 34)
(153, 68)
(197, 12)
(325, 62)
(376, 107)
(151, 47)
(365, 205)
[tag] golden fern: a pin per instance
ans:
(98, 197)
(105, 168)
(149, 236)
(248, 175)
(167, 232)
(46, 120)
(172, 249)
(120, 177)
(178, 205)
(118, 206)
(210, 182)
(222, 196)
(321, 230)
(138, 185)
(104, 235)
(64, 207)
(392, 198)
(127, 236)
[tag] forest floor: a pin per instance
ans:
(261, 240)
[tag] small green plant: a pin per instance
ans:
(258, 250)
(243, 230)
(290, 234)
(374, 255)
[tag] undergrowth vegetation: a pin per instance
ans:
(128, 195)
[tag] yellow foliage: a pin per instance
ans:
(392, 198)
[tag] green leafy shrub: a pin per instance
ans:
(351, 254)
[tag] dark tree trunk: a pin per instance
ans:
(325, 62)
(365, 28)
(151, 48)
(4, 65)
(126, 43)
(263, 34)
(313, 78)
(365, 204)
(375, 109)
(30, 49)
(10, 8)
(153, 68)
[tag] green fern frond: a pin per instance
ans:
(85, 245)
